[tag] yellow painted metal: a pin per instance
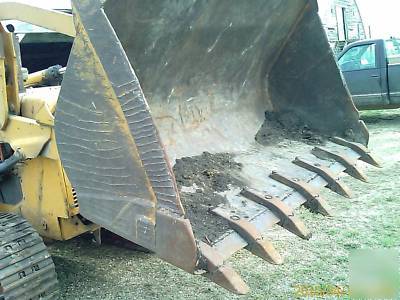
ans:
(25, 134)
(44, 195)
(72, 199)
(12, 72)
(48, 203)
(73, 226)
(32, 97)
(50, 149)
(50, 19)
(39, 104)
(35, 78)
(44, 115)
(3, 90)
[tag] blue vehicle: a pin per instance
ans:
(371, 69)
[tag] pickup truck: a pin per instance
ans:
(371, 69)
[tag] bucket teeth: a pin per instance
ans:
(256, 243)
(219, 272)
(348, 163)
(333, 182)
(281, 210)
(313, 200)
(365, 154)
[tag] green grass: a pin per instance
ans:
(368, 221)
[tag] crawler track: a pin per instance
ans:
(26, 268)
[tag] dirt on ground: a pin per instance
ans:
(286, 125)
(370, 220)
(200, 180)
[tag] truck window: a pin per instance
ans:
(393, 51)
(359, 58)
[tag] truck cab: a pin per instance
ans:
(371, 69)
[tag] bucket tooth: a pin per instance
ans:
(281, 210)
(219, 272)
(365, 154)
(333, 181)
(348, 163)
(256, 244)
(313, 200)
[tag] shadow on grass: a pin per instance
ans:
(84, 249)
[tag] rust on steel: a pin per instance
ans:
(281, 210)
(347, 162)
(257, 244)
(313, 200)
(333, 181)
(365, 154)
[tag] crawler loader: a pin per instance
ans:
(187, 127)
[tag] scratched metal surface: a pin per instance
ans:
(106, 136)
(209, 71)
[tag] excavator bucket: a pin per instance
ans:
(191, 127)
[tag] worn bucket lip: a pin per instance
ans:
(231, 242)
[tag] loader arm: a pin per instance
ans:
(49, 19)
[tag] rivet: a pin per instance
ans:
(235, 217)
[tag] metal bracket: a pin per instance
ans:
(333, 182)
(281, 210)
(348, 163)
(359, 149)
(256, 243)
(313, 200)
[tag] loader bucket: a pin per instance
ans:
(228, 93)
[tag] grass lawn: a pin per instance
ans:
(370, 220)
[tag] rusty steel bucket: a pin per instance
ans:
(228, 90)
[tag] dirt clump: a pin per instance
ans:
(278, 126)
(206, 176)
